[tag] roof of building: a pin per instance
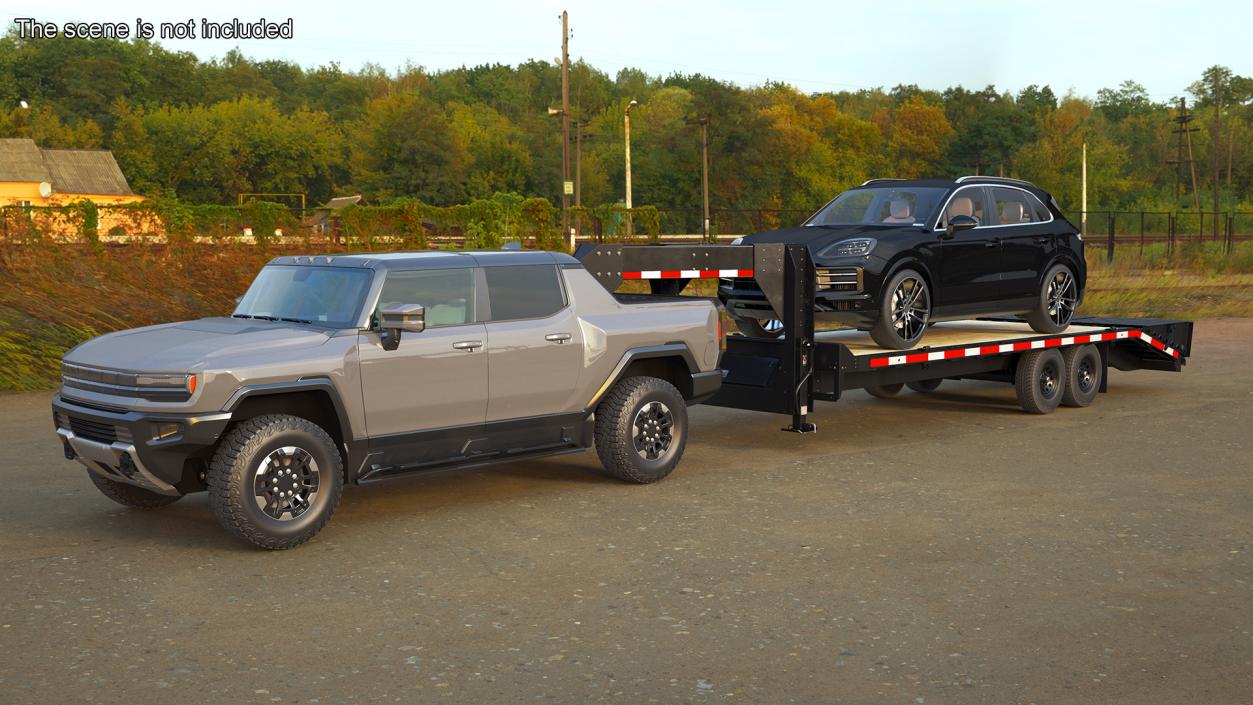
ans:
(341, 202)
(72, 171)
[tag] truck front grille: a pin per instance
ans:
(841, 279)
(99, 431)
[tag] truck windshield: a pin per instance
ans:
(328, 296)
(880, 206)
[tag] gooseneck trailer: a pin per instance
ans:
(788, 374)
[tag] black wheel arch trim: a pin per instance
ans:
(701, 380)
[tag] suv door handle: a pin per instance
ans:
(1043, 239)
(994, 242)
(468, 345)
(558, 338)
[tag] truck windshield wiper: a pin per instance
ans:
(296, 320)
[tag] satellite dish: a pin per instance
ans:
(45, 189)
(25, 105)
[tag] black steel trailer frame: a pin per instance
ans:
(787, 375)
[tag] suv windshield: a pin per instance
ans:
(880, 205)
(328, 296)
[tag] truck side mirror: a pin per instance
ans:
(394, 318)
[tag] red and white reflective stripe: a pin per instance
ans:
(688, 274)
(1038, 344)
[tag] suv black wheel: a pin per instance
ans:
(1083, 375)
(904, 310)
(641, 429)
(753, 328)
(275, 480)
(1059, 295)
(130, 495)
(1040, 380)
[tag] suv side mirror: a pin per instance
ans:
(960, 222)
(395, 318)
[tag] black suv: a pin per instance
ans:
(894, 256)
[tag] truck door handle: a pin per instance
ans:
(558, 338)
(468, 345)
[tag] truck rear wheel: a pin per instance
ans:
(1083, 375)
(1040, 380)
(130, 495)
(641, 429)
(275, 480)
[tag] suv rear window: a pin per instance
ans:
(528, 291)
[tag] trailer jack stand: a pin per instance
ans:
(800, 425)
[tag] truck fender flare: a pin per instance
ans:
(302, 385)
(645, 352)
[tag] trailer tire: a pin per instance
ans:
(1083, 375)
(130, 495)
(924, 386)
(1040, 380)
(293, 455)
(641, 429)
(884, 391)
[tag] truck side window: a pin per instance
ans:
(529, 291)
(446, 294)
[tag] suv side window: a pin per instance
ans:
(446, 294)
(1013, 207)
(527, 291)
(966, 201)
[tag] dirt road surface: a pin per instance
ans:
(942, 548)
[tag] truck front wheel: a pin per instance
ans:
(275, 480)
(641, 429)
(130, 495)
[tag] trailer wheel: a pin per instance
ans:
(924, 386)
(1083, 375)
(1040, 380)
(641, 429)
(884, 391)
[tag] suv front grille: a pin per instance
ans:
(99, 431)
(840, 279)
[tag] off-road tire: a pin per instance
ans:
(1083, 375)
(1039, 317)
(753, 328)
(616, 430)
(231, 476)
(924, 386)
(884, 391)
(1040, 380)
(130, 495)
(883, 331)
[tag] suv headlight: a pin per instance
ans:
(856, 247)
(737, 241)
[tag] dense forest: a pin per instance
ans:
(204, 131)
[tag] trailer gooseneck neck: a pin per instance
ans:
(786, 375)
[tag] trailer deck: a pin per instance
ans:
(786, 375)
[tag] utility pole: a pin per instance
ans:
(566, 232)
(703, 121)
(1215, 150)
(1184, 133)
(578, 177)
(1083, 190)
(626, 128)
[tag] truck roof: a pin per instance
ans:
(430, 259)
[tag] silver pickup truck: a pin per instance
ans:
(356, 368)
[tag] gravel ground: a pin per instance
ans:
(941, 548)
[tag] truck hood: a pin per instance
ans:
(208, 343)
(820, 236)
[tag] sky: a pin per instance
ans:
(815, 46)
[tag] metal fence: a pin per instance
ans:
(1114, 229)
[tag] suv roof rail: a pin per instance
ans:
(871, 181)
(995, 180)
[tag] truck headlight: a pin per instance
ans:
(856, 247)
(163, 381)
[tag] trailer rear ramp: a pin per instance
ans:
(787, 375)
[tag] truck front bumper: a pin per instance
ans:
(143, 449)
